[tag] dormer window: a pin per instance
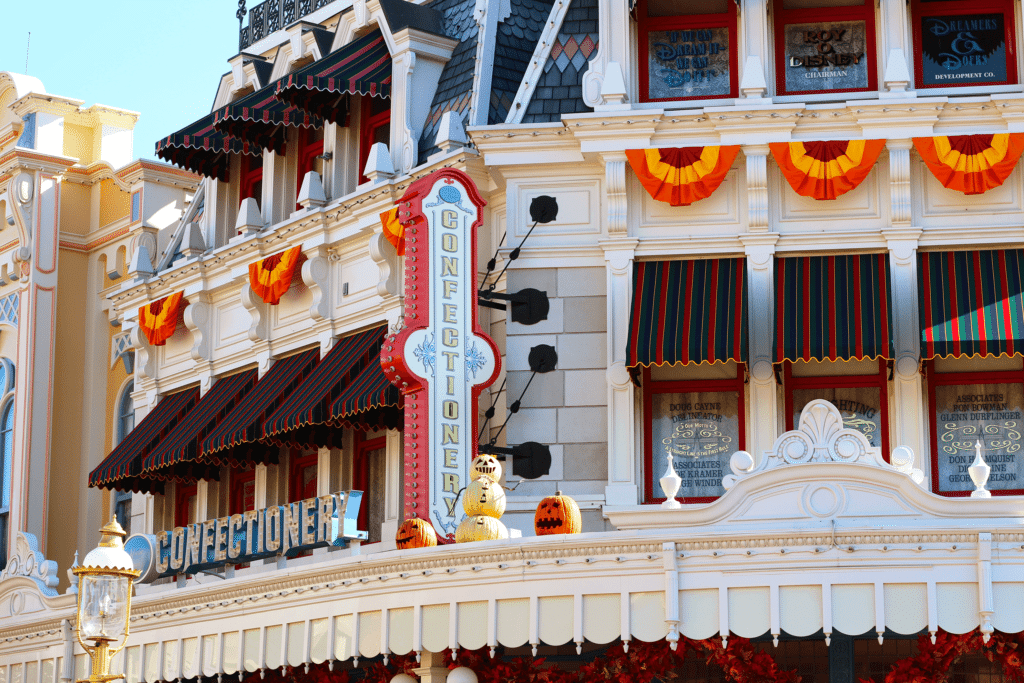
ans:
(824, 46)
(688, 49)
(375, 126)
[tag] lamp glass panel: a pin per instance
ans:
(102, 613)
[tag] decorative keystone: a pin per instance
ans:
(379, 167)
(142, 265)
(311, 195)
(250, 220)
(451, 135)
(192, 243)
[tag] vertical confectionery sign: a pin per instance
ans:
(441, 360)
(963, 49)
(989, 413)
(701, 431)
(826, 56)
(688, 63)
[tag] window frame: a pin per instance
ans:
(879, 380)
(181, 496)
(250, 172)
(305, 160)
(119, 498)
(737, 384)
(136, 206)
(955, 7)
(119, 426)
(295, 475)
(6, 410)
(369, 123)
(865, 12)
(728, 19)
(361, 473)
(238, 481)
(937, 379)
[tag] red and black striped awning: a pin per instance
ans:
(688, 312)
(121, 468)
(235, 439)
(201, 148)
(833, 307)
(172, 459)
(261, 119)
(362, 67)
(311, 402)
(370, 390)
(971, 303)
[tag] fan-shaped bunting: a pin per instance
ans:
(394, 231)
(971, 164)
(826, 169)
(681, 176)
(159, 318)
(271, 277)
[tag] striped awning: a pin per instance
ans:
(312, 400)
(201, 148)
(971, 302)
(833, 307)
(261, 119)
(688, 312)
(370, 390)
(362, 67)
(234, 440)
(121, 468)
(173, 459)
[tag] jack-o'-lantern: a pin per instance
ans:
(484, 497)
(416, 533)
(557, 514)
(485, 466)
(480, 528)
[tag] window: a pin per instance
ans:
(250, 182)
(689, 49)
(123, 510)
(825, 46)
(243, 492)
(859, 389)
(311, 148)
(974, 400)
(185, 505)
(375, 127)
(964, 43)
(696, 413)
(125, 413)
(303, 477)
(7, 461)
(368, 477)
(136, 206)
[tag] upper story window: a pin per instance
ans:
(370, 476)
(250, 180)
(824, 46)
(310, 155)
(688, 49)
(185, 504)
(303, 477)
(125, 413)
(964, 43)
(375, 126)
(6, 472)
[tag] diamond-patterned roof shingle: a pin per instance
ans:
(560, 89)
(455, 87)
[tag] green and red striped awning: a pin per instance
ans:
(121, 468)
(173, 459)
(201, 148)
(833, 307)
(688, 312)
(235, 439)
(370, 390)
(312, 400)
(261, 119)
(971, 303)
(362, 67)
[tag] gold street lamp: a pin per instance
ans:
(105, 601)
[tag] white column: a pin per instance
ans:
(622, 486)
(762, 420)
(393, 489)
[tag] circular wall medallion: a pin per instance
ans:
(823, 500)
(762, 371)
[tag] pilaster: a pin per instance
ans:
(757, 187)
(899, 182)
(764, 411)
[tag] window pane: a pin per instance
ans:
(308, 489)
(686, 63)
(958, 50)
(373, 499)
(123, 510)
(248, 495)
(701, 430)
(669, 8)
(825, 56)
(7, 453)
(967, 413)
(859, 406)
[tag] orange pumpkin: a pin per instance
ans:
(557, 514)
(416, 533)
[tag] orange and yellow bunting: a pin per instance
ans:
(394, 231)
(271, 277)
(159, 319)
(681, 176)
(971, 164)
(826, 169)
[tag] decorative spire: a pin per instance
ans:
(979, 471)
(670, 483)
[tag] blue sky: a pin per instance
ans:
(161, 58)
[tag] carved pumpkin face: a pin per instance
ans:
(557, 514)
(480, 528)
(416, 533)
(484, 497)
(485, 466)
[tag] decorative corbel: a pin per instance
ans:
(22, 190)
(383, 254)
(615, 193)
(405, 64)
(257, 308)
(899, 181)
(757, 187)
(143, 357)
(316, 273)
(198, 318)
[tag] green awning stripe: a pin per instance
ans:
(971, 303)
(833, 307)
(688, 312)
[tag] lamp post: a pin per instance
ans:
(105, 601)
